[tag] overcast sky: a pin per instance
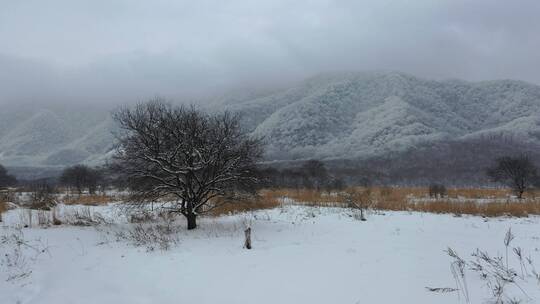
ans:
(120, 50)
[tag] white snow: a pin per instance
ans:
(299, 255)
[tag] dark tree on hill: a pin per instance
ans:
(519, 173)
(316, 172)
(81, 177)
(199, 159)
(6, 179)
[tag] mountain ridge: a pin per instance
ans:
(319, 123)
(341, 115)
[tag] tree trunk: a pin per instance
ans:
(191, 221)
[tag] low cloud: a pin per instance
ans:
(107, 51)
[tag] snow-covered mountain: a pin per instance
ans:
(54, 135)
(331, 116)
(349, 115)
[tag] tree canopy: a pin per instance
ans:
(184, 153)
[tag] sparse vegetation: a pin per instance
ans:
(497, 273)
(19, 255)
(162, 235)
(42, 196)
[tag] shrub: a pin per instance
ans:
(151, 236)
(42, 196)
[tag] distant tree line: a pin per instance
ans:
(6, 179)
(83, 178)
(460, 163)
(312, 174)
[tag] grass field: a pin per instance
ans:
(458, 201)
(482, 202)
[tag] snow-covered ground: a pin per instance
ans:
(300, 255)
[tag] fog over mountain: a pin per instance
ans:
(347, 115)
(116, 51)
(54, 135)
(64, 65)
(333, 116)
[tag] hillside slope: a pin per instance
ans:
(349, 115)
(54, 136)
(331, 116)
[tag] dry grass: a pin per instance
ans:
(305, 197)
(478, 193)
(3, 208)
(495, 202)
(88, 200)
(4, 198)
(266, 199)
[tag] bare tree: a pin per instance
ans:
(519, 173)
(196, 158)
(42, 195)
(359, 199)
(6, 179)
(437, 190)
(316, 173)
(81, 177)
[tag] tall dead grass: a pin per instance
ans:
(482, 202)
(4, 198)
(265, 199)
(3, 208)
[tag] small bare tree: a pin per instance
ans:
(196, 158)
(519, 173)
(42, 195)
(359, 199)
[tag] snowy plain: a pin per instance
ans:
(300, 255)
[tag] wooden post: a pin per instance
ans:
(247, 243)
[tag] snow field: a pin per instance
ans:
(300, 255)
